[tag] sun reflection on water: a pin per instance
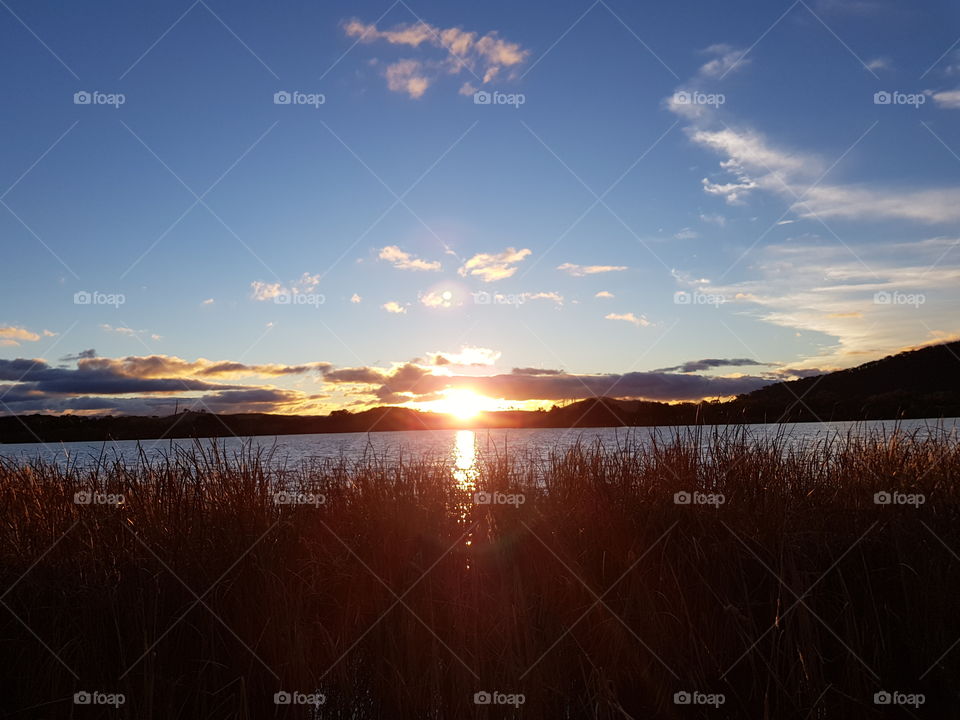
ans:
(465, 469)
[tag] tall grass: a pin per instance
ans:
(400, 597)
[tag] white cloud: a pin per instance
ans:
(822, 287)
(553, 297)
(266, 291)
(405, 261)
(394, 307)
(468, 356)
(436, 299)
(640, 321)
(307, 283)
(490, 267)
(355, 298)
(208, 301)
(726, 59)
(946, 99)
(582, 270)
(715, 219)
(686, 234)
(758, 165)
(604, 294)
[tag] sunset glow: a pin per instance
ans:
(461, 403)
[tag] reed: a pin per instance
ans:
(396, 595)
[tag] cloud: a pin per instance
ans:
(725, 60)
(11, 336)
(640, 321)
(127, 332)
(582, 270)
(394, 307)
(491, 267)
(266, 291)
(709, 364)
(412, 383)
(355, 298)
(878, 64)
(208, 301)
(536, 371)
(99, 384)
(82, 355)
(405, 261)
(482, 56)
(467, 357)
(437, 299)
(829, 292)
(407, 76)
(686, 234)
(604, 294)
(755, 164)
(553, 297)
(946, 99)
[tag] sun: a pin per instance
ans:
(462, 404)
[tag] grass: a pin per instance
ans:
(399, 597)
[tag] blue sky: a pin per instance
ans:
(786, 215)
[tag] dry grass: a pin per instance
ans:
(200, 597)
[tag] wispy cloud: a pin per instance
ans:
(405, 261)
(491, 267)
(582, 270)
(392, 306)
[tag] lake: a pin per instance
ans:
(459, 446)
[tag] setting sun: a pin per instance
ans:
(462, 404)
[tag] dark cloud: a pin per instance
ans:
(82, 355)
(535, 371)
(710, 363)
(411, 382)
(366, 375)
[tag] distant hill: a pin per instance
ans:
(914, 384)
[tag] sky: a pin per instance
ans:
(304, 207)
